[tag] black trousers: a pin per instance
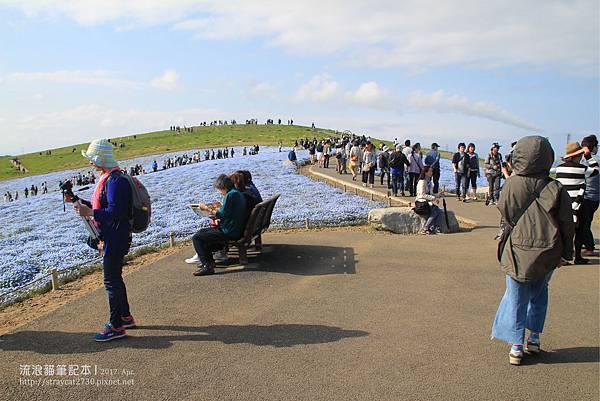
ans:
(436, 180)
(209, 240)
(583, 232)
(413, 180)
(369, 176)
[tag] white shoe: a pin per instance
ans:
(193, 260)
(515, 356)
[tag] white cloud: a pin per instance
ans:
(92, 12)
(80, 77)
(416, 34)
(263, 90)
(323, 88)
(86, 122)
(320, 89)
(168, 80)
(370, 94)
(442, 103)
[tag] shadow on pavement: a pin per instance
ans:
(565, 355)
(277, 335)
(305, 260)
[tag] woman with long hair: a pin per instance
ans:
(415, 168)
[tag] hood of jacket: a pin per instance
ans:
(532, 155)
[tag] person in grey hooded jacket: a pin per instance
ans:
(537, 238)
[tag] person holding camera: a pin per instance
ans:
(110, 208)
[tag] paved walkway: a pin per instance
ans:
(321, 315)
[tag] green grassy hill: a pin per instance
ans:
(161, 142)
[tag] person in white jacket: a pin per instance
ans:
(424, 194)
(369, 165)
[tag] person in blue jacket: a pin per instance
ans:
(110, 208)
(231, 218)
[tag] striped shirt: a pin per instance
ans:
(572, 176)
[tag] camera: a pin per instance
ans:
(67, 189)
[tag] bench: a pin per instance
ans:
(258, 222)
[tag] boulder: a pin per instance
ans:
(403, 220)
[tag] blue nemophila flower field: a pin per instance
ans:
(36, 235)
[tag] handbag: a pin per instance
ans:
(422, 208)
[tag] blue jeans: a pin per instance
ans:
(397, 178)
(433, 220)
(115, 287)
(461, 184)
(523, 306)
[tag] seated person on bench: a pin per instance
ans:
(250, 187)
(231, 218)
(239, 182)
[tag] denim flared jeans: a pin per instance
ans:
(523, 306)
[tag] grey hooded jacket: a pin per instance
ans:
(544, 233)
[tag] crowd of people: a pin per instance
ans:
(89, 178)
(545, 222)
(250, 121)
(402, 168)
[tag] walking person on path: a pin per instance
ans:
(415, 168)
(398, 163)
(111, 208)
(407, 150)
(355, 155)
(432, 159)
(459, 166)
(472, 172)
(493, 172)
(537, 238)
(384, 166)
(326, 154)
(369, 164)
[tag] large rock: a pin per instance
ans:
(403, 220)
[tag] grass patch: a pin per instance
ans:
(158, 142)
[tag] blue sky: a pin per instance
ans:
(71, 71)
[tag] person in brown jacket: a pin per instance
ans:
(537, 237)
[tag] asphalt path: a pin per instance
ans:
(320, 315)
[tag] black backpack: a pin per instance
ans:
(396, 159)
